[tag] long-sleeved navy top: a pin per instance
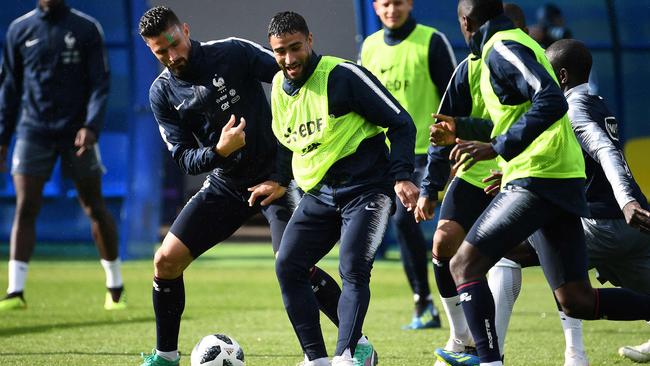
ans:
(54, 75)
(456, 102)
(610, 184)
(516, 77)
(352, 88)
(222, 78)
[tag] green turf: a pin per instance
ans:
(233, 290)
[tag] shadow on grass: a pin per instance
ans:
(6, 332)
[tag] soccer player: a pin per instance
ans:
(331, 115)
(617, 230)
(195, 101)
(464, 201)
(542, 186)
(415, 63)
(55, 76)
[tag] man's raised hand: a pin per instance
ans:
(232, 137)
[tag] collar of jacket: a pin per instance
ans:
(486, 31)
(397, 35)
(54, 12)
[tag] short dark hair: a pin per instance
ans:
(287, 22)
(156, 20)
(515, 13)
(483, 10)
(572, 55)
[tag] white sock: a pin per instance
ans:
(493, 363)
(456, 317)
(363, 340)
(17, 276)
(504, 280)
(169, 356)
(572, 333)
(113, 273)
(323, 361)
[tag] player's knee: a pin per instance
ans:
(356, 277)
(165, 266)
(578, 304)
(444, 244)
(458, 269)
(285, 269)
(447, 238)
(578, 308)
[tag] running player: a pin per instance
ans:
(331, 114)
(414, 62)
(464, 201)
(195, 101)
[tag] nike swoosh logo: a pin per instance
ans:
(385, 70)
(178, 107)
(371, 208)
(31, 42)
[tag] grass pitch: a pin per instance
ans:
(233, 290)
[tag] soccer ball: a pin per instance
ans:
(217, 350)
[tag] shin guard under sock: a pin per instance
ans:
(168, 305)
(478, 306)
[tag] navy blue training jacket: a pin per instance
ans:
(54, 75)
(222, 78)
(610, 184)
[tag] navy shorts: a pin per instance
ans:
(516, 214)
(619, 252)
(464, 203)
(217, 210)
(37, 158)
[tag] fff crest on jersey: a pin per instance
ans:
(70, 55)
(612, 127)
(69, 40)
(218, 82)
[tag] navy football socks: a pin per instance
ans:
(327, 293)
(446, 285)
(478, 305)
(621, 304)
(168, 305)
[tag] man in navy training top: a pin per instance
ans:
(55, 76)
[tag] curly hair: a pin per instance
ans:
(156, 20)
(287, 22)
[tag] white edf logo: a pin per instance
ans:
(612, 127)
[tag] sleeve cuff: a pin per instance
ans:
(280, 179)
(403, 176)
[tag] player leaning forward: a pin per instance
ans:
(330, 114)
